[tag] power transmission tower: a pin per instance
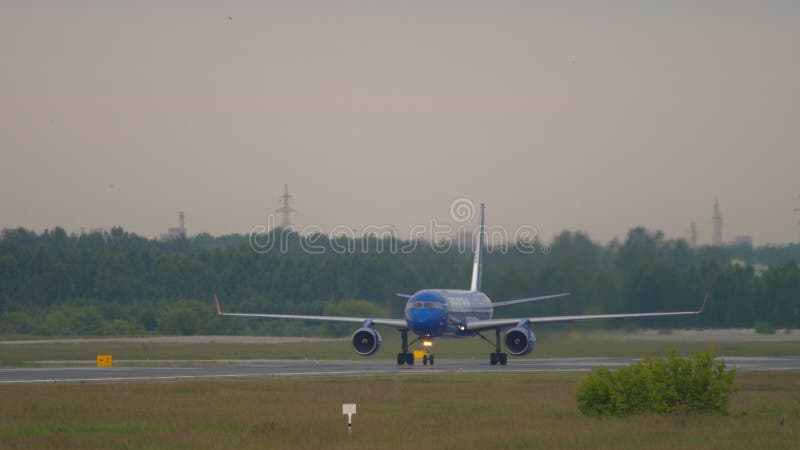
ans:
(285, 210)
(716, 238)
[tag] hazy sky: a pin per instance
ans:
(560, 115)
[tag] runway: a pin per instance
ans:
(302, 368)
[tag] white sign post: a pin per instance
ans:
(349, 409)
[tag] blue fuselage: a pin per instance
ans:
(435, 312)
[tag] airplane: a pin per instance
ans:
(433, 313)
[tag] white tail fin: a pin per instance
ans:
(477, 265)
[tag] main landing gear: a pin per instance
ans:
(497, 357)
(405, 357)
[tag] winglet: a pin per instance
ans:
(703, 306)
(216, 301)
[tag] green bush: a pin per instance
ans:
(764, 328)
(185, 317)
(16, 323)
(672, 385)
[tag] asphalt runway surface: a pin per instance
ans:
(302, 368)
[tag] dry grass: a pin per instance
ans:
(442, 411)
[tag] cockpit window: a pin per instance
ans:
(435, 305)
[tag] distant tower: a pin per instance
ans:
(797, 210)
(182, 223)
(285, 210)
(178, 232)
(716, 239)
(693, 234)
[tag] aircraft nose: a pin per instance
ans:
(426, 317)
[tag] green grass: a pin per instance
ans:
(549, 344)
(504, 411)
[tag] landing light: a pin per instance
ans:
(427, 343)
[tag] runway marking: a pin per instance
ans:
(175, 377)
(288, 369)
(280, 374)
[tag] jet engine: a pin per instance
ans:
(366, 341)
(520, 341)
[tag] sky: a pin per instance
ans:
(558, 115)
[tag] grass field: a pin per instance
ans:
(549, 344)
(513, 411)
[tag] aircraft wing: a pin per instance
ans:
(478, 325)
(529, 299)
(396, 323)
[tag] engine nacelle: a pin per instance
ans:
(520, 341)
(366, 341)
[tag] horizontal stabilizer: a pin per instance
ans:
(403, 295)
(530, 299)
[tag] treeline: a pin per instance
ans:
(116, 282)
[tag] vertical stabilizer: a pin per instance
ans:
(477, 265)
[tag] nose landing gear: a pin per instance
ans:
(407, 358)
(427, 358)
